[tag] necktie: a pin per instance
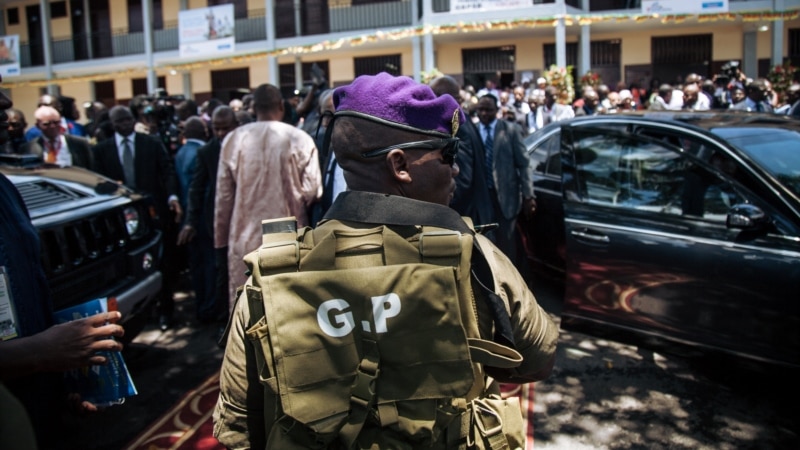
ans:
(127, 163)
(488, 146)
(759, 107)
(52, 152)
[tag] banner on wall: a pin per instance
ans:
(684, 6)
(9, 56)
(461, 6)
(205, 31)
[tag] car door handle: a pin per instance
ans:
(585, 234)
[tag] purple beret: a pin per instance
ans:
(400, 100)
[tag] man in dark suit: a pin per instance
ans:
(16, 132)
(471, 198)
(757, 96)
(200, 209)
(53, 145)
(508, 177)
(141, 163)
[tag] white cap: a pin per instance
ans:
(541, 80)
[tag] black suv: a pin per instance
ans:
(98, 238)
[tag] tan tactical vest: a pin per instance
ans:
(366, 338)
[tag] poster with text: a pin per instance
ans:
(9, 56)
(684, 6)
(205, 31)
(462, 6)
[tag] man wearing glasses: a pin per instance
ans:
(56, 147)
(380, 364)
(757, 97)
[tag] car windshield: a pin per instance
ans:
(777, 151)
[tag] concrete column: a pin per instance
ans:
(272, 61)
(430, 62)
(561, 43)
(584, 51)
(87, 25)
(777, 34)
(427, 40)
(750, 53)
(298, 73)
(44, 7)
(187, 75)
(147, 17)
(416, 56)
(427, 10)
(274, 78)
(187, 84)
(298, 24)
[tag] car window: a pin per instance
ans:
(690, 144)
(546, 156)
(775, 150)
(628, 172)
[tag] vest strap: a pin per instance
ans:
(493, 354)
(362, 393)
(489, 424)
(439, 246)
(280, 249)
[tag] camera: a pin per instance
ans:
(161, 110)
(730, 71)
(318, 77)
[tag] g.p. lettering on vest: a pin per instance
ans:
(336, 320)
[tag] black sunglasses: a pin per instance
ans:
(448, 146)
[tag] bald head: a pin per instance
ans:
(445, 85)
(268, 102)
(46, 113)
(122, 119)
(224, 121)
(49, 121)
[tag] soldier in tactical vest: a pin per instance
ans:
(391, 323)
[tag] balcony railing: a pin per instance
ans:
(315, 17)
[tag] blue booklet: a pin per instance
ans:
(105, 385)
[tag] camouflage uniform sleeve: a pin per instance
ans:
(238, 415)
(535, 333)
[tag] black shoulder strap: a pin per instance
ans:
(482, 273)
(383, 209)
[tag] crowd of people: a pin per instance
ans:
(531, 106)
(215, 171)
(172, 148)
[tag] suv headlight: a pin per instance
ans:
(132, 223)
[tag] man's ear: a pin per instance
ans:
(398, 164)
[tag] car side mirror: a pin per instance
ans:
(746, 216)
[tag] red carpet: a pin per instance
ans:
(188, 425)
